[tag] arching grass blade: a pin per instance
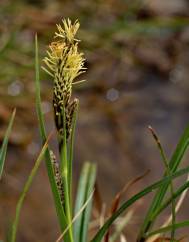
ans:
(3, 150)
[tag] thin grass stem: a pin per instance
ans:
(3, 149)
(71, 152)
(166, 164)
(76, 216)
(64, 175)
(168, 228)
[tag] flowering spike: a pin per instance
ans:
(64, 62)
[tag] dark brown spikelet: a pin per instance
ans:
(69, 114)
(57, 176)
(72, 107)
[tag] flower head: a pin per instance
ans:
(68, 31)
(64, 63)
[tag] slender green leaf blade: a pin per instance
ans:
(3, 150)
(85, 188)
(38, 95)
(87, 211)
(80, 200)
(176, 194)
(168, 228)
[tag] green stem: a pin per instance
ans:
(64, 175)
(168, 228)
(168, 201)
(166, 164)
(70, 162)
(168, 172)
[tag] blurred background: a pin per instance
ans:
(137, 55)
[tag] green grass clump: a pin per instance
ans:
(64, 63)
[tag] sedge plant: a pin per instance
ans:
(64, 63)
